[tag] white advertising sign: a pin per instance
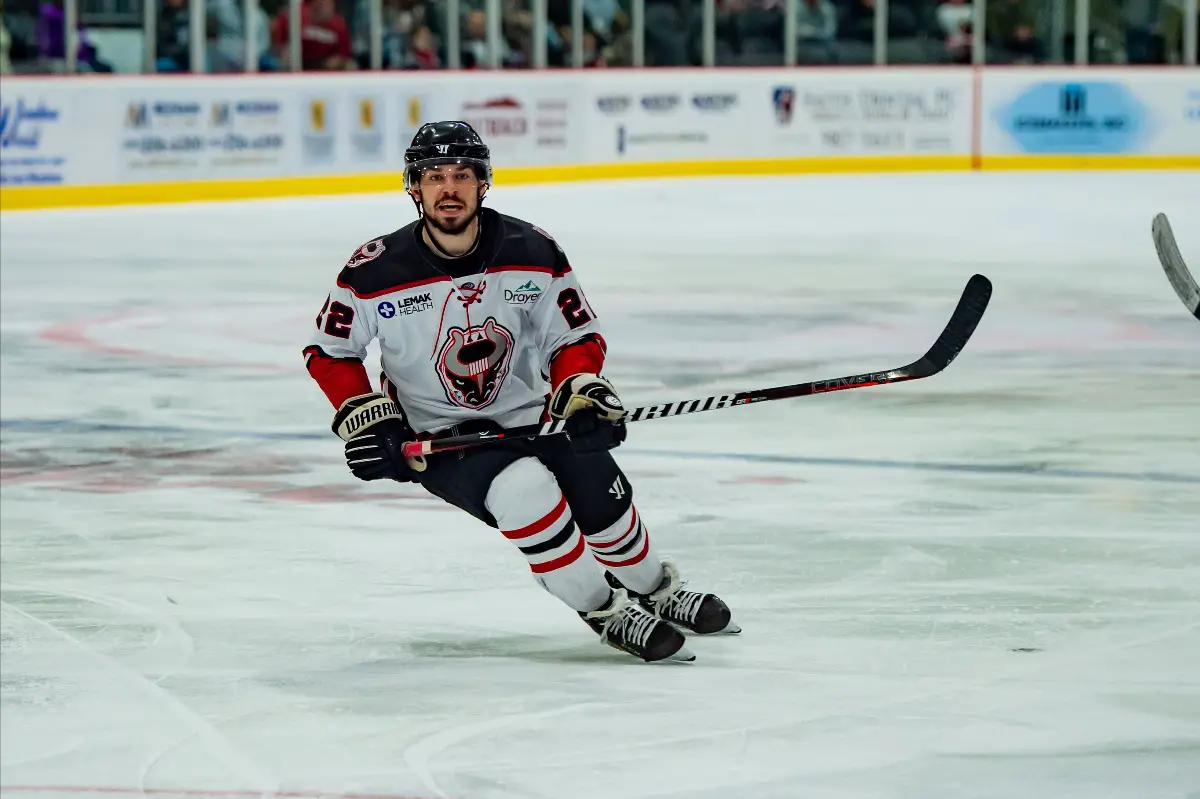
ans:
(131, 129)
(673, 117)
(40, 134)
(525, 123)
(880, 112)
(779, 114)
(198, 133)
(1100, 111)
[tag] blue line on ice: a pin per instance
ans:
(1032, 469)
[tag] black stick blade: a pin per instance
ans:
(1172, 263)
(958, 330)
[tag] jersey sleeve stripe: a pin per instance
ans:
(314, 351)
(519, 268)
(339, 378)
(390, 289)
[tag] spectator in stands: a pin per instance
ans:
(666, 33)
(421, 50)
(474, 40)
(324, 37)
(516, 29)
(475, 49)
(400, 20)
(602, 16)
(1143, 42)
(52, 45)
(225, 37)
(171, 44)
(816, 24)
(5, 45)
(954, 17)
(1010, 26)
(858, 24)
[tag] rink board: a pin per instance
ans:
(133, 139)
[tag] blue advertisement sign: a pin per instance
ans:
(1084, 117)
(25, 157)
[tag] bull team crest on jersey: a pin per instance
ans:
(474, 362)
(368, 252)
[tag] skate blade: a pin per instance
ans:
(682, 655)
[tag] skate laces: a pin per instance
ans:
(674, 602)
(624, 619)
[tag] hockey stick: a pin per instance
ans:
(1172, 263)
(958, 330)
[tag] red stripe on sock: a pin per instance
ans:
(638, 558)
(565, 560)
(616, 544)
(540, 525)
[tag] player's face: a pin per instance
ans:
(450, 196)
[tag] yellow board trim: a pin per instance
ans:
(29, 198)
(1089, 162)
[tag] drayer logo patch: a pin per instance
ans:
(1098, 117)
(523, 294)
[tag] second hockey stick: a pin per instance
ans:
(958, 331)
(1172, 263)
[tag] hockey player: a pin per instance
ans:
(483, 325)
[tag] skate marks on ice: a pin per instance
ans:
(104, 669)
(418, 756)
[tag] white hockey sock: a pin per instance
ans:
(624, 549)
(533, 514)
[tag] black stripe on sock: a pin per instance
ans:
(553, 541)
(637, 537)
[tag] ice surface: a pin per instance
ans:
(198, 599)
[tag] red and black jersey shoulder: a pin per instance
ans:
(391, 263)
(524, 244)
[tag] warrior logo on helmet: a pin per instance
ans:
(474, 362)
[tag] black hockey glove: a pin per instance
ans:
(593, 411)
(374, 430)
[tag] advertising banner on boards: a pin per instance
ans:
(524, 123)
(39, 132)
(198, 134)
(1100, 112)
(62, 131)
(925, 112)
(665, 118)
(779, 114)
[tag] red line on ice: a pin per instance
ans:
(75, 335)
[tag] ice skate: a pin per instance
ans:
(624, 624)
(699, 613)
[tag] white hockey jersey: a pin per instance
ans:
(460, 339)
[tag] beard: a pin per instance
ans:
(455, 228)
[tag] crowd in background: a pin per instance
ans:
(335, 33)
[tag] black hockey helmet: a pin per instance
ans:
(439, 143)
